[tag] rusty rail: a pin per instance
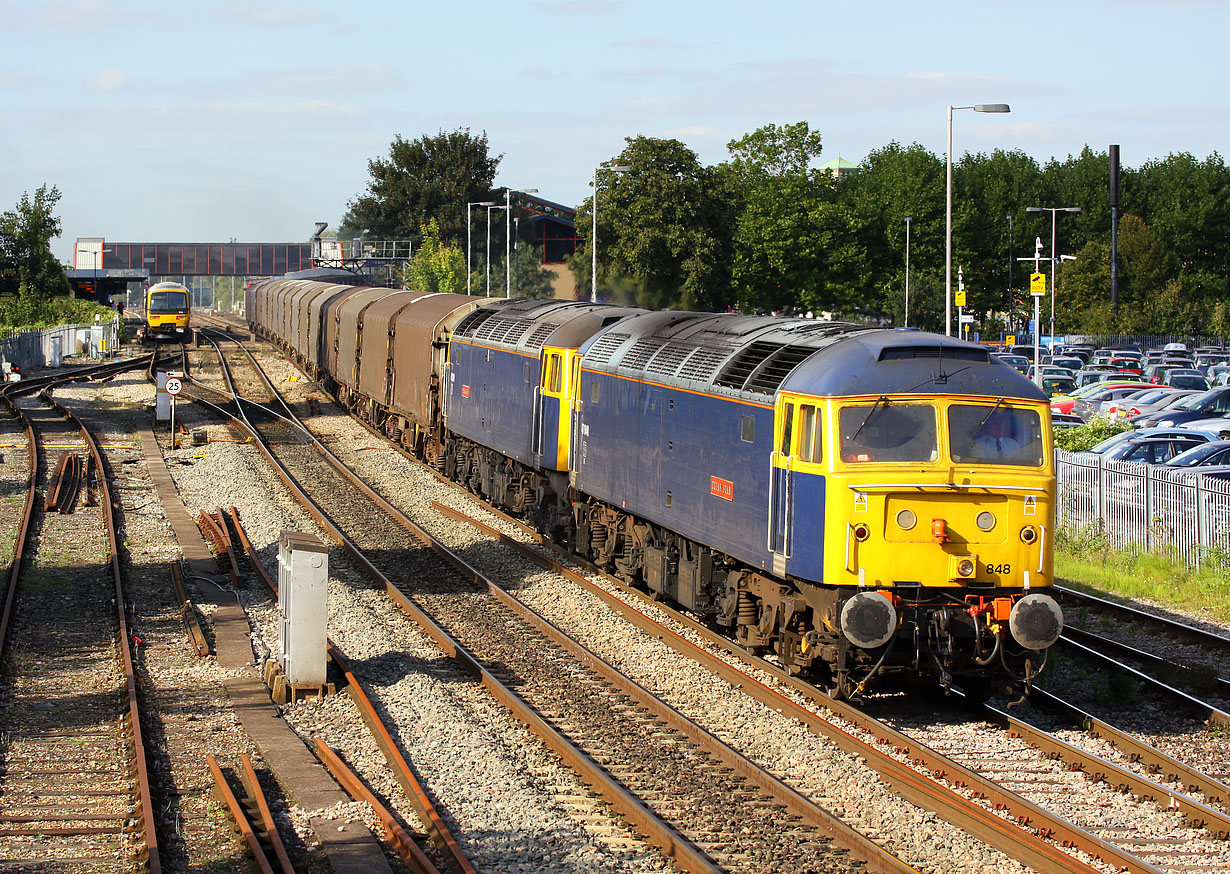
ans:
(240, 815)
(192, 624)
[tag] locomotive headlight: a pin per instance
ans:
(1029, 534)
(965, 567)
(985, 520)
(906, 519)
(1036, 621)
(868, 620)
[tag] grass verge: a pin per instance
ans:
(1087, 562)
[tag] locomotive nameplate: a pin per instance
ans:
(723, 488)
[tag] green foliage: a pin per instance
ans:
(26, 313)
(1085, 436)
(529, 277)
(424, 179)
(665, 227)
(27, 267)
(435, 266)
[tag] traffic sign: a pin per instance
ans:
(174, 386)
(1037, 284)
(1010, 340)
(959, 298)
(967, 319)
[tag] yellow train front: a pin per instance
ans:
(166, 312)
(935, 479)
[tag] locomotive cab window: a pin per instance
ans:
(809, 437)
(888, 431)
(982, 434)
(552, 378)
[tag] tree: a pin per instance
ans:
(435, 266)
(27, 266)
(428, 178)
(665, 227)
(529, 277)
(776, 254)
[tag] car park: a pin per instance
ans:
(1057, 386)
(1064, 403)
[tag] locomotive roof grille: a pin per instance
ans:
(956, 353)
(467, 326)
(734, 375)
(604, 347)
(540, 335)
(640, 353)
(668, 359)
(703, 364)
(769, 376)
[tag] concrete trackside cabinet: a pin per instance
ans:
(303, 605)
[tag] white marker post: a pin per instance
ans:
(174, 386)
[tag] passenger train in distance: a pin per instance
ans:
(862, 503)
(166, 312)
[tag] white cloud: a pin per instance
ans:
(272, 16)
(109, 79)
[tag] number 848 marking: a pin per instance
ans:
(1000, 569)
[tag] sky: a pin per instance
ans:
(213, 121)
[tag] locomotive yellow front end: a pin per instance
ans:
(940, 528)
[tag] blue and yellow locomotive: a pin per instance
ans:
(858, 502)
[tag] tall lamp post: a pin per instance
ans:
(593, 237)
(978, 107)
(907, 271)
(1011, 300)
(469, 247)
(1054, 211)
(493, 206)
(97, 258)
(508, 235)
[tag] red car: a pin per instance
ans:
(1127, 365)
(1065, 404)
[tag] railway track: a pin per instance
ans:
(76, 791)
(672, 780)
(1161, 849)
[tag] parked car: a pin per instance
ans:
(1064, 403)
(1202, 455)
(1215, 426)
(1100, 374)
(1126, 365)
(1187, 379)
(1204, 405)
(1155, 372)
(1122, 436)
(1017, 362)
(1047, 370)
(1068, 362)
(1151, 450)
(1057, 386)
(1148, 402)
(1220, 375)
(1175, 347)
(1065, 420)
(1089, 406)
(1112, 407)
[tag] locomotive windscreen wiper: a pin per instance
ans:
(882, 399)
(998, 403)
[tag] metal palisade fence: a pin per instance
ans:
(1153, 506)
(34, 349)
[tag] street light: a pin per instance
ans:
(508, 235)
(491, 207)
(469, 247)
(978, 107)
(593, 237)
(97, 256)
(1054, 211)
(907, 270)
(1011, 300)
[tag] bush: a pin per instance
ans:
(30, 313)
(1086, 436)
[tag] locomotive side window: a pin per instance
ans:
(787, 428)
(886, 431)
(594, 391)
(809, 438)
(747, 429)
(552, 379)
(995, 435)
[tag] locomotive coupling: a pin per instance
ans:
(868, 620)
(1036, 621)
